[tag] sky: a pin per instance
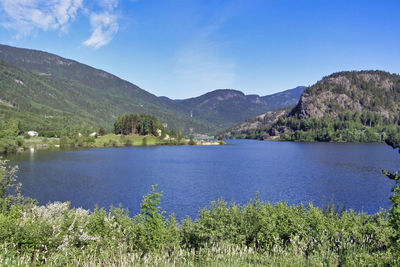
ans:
(185, 48)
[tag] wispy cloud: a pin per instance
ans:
(201, 63)
(104, 24)
(201, 66)
(26, 17)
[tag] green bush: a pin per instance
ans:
(256, 233)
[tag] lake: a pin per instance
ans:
(192, 176)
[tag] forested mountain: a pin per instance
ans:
(226, 107)
(360, 106)
(46, 92)
(45, 103)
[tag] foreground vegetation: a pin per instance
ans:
(257, 233)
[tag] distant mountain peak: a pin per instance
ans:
(226, 107)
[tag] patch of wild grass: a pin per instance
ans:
(257, 233)
(112, 140)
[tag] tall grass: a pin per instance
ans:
(257, 233)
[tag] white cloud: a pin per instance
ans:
(104, 27)
(104, 24)
(24, 16)
(108, 4)
(28, 16)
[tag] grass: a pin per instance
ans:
(126, 140)
(216, 255)
(109, 140)
(255, 234)
(41, 141)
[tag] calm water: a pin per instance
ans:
(192, 176)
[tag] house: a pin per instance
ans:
(93, 134)
(32, 133)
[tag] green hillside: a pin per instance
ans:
(356, 106)
(46, 92)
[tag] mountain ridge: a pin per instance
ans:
(344, 106)
(104, 92)
(233, 105)
(95, 97)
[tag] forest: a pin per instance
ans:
(141, 124)
(348, 126)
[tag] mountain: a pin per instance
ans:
(360, 106)
(226, 107)
(43, 89)
(47, 92)
(252, 127)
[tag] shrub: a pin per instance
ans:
(8, 179)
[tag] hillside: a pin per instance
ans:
(47, 92)
(37, 85)
(359, 106)
(226, 107)
(255, 127)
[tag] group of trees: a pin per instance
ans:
(347, 126)
(9, 141)
(141, 124)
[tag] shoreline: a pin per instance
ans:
(109, 141)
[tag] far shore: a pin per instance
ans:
(111, 140)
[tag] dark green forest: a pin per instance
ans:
(141, 124)
(346, 127)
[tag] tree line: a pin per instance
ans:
(141, 124)
(347, 126)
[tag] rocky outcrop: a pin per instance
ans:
(355, 91)
(260, 122)
(373, 92)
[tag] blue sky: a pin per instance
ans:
(184, 48)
